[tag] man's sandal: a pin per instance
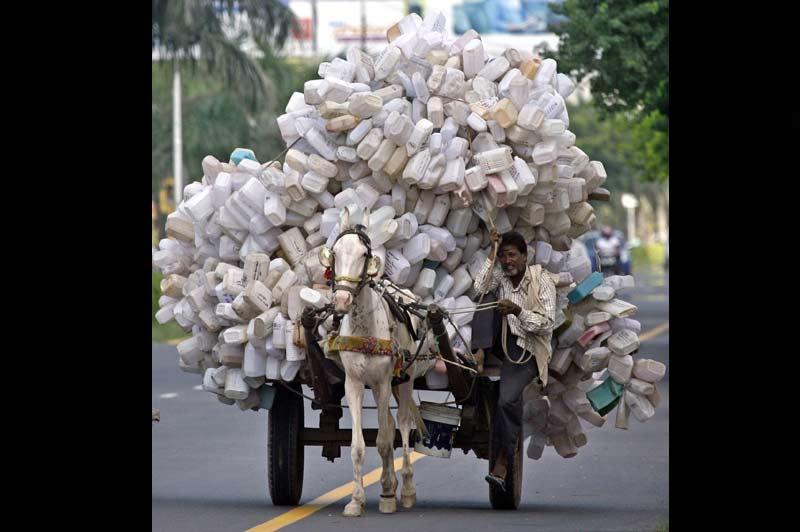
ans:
(496, 481)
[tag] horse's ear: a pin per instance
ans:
(374, 265)
(365, 221)
(326, 257)
(344, 219)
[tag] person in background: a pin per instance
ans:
(609, 251)
(522, 332)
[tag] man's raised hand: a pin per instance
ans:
(506, 306)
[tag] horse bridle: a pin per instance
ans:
(358, 230)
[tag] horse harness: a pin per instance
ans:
(364, 279)
(369, 345)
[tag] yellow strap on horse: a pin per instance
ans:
(369, 345)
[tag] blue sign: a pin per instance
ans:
(505, 16)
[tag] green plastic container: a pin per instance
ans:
(606, 396)
(585, 288)
(267, 396)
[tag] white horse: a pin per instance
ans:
(367, 315)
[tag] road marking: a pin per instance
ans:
(171, 395)
(652, 333)
(175, 341)
(301, 512)
(198, 387)
(651, 297)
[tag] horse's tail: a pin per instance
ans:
(412, 407)
(421, 428)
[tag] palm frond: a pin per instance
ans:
(269, 21)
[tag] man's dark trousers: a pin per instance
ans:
(507, 426)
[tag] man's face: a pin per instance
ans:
(511, 260)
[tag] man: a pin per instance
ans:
(609, 250)
(523, 330)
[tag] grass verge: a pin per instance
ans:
(170, 330)
(648, 254)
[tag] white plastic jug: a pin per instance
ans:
(593, 318)
(542, 252)
(293, 352)
(461, 282)
(440, 234)
(289, 369)
(235, 387)
(603, 293)
(273, 351)
(255, 361)
(620, 282)
(231, 355)
(274, 210)
(441, 207)
(424, 205)
(623, 342)
(397, 266)
(620, 368)
(278, 336)
(649, 370)
(572, 333)
(594, 359)
(453, 259)
(423, 287)
(640, 407)
(640, 387)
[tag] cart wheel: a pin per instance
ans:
(284, 448)
(509, 499)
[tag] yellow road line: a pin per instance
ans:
(322, 501)
(652, 333)
(175, 341)
(301, 512)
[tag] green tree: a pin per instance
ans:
(210, 34)
(625, 146)
(623, 45)
(217, 120)
(621, 48)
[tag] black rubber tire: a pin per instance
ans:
(509, 499)
(284, 448)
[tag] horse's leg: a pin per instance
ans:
(385, 444)
(354, 389)
(405, 420)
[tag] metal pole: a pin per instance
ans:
(363, 26)
(177, 134)
(314, 25)
(631, 224)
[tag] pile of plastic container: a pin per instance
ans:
(436, 142)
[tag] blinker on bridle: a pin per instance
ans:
(358, 230)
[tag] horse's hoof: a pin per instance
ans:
(408, 500)
(353, 509)
(387, 505)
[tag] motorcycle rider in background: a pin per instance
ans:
(609, 251)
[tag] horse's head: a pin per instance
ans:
(351, 261)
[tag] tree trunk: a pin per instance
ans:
(661, 214)
(177, 133)
(314, 26)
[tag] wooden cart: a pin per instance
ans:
(287, 434)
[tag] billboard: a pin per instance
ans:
(342, 23)
(529, 17)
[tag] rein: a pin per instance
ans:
(358, 230)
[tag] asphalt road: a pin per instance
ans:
(209, 465)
